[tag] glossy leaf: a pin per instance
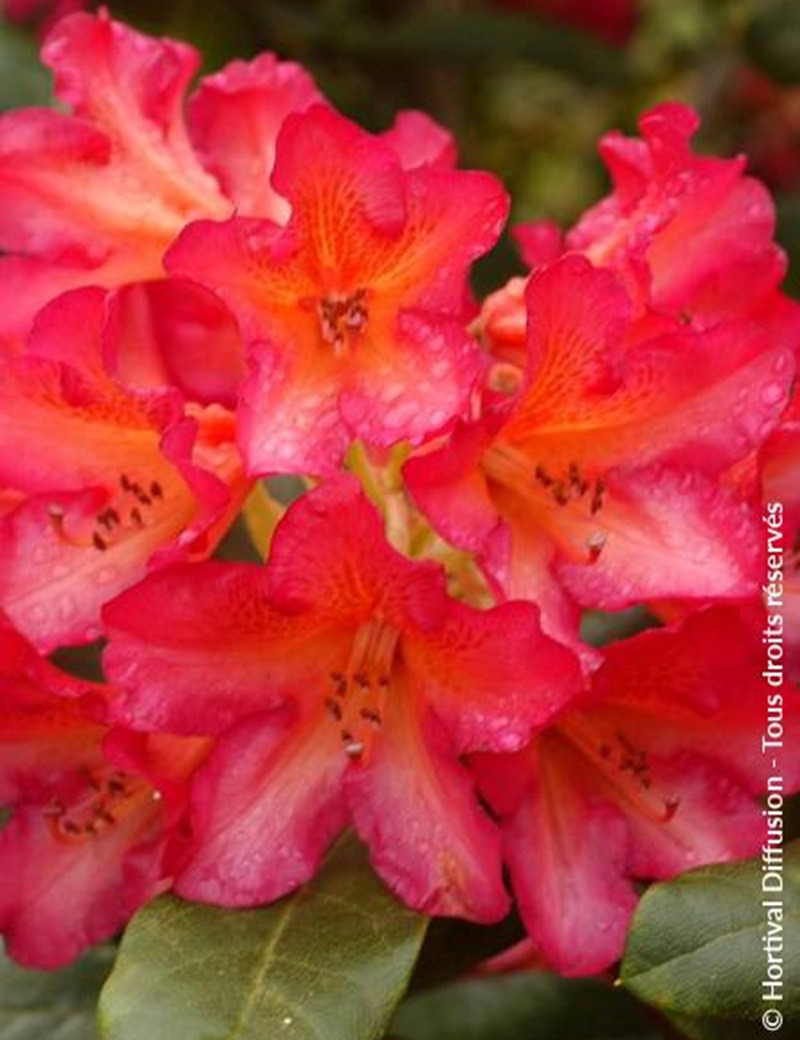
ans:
(23, 80)
(521, 1007)
(52, 1005)
(331, 961)
(695, 950)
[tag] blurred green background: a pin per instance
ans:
(527, 86)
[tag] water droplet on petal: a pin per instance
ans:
(772, 394)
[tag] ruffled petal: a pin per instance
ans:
(264, 810)
(59, 895)
(661, 533)
(330, 554)
(224, 652)
(567, 852)
(234, 120)
(418, 811)
(491, 676)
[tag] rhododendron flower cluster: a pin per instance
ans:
(202, 294)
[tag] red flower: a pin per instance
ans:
(691, 236)
(343, 684)
(601, 473)
(95, 195)
(354, 310)
(105, 478)
(91, 810)
(658, 771)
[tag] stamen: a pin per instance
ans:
(106, 798)
(341, 314)
(595, 543)
(623, 766)
(358, 693)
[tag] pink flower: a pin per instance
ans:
(91, 810)
(597, 478)
(107, 472)
(691, 236)
(353, 311)
(343, 683)
(95, 195)
(657, 771)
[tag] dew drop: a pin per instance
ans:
(781, 361)
(106, 575)
(772, 394)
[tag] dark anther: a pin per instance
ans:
(125, 482)
(334, 708)
(98, 542)
(156, 490)
(542, 476)
(671, 807)
(136, 516)
(597, 497)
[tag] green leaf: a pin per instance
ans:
(458, 37)
(23, 80)
(772, 39)
(328, 963)
(521, 1007)
(695, 949)
(52, 1005)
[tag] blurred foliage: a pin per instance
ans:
(526, 98)
(39, 1005)
(521, 1007)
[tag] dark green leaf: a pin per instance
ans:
(772, 40)
(23, 80)
(329, 963)
(522, 1007)
(695, 950)
(461, 37)
(52, 1005)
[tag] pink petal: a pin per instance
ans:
(234, 120)
(330, 554)
(567, 852)
(264, 810)
(664, 533)
(224, 652)
(417, 140)
(59, 895)
(417, 810)
(175, 333)
(491, 676)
